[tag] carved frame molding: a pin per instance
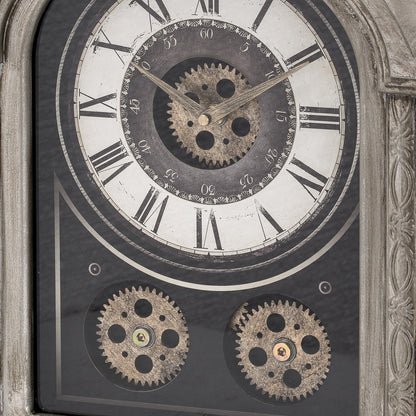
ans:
(388, 82)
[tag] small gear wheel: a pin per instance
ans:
(143, 336)
(283, 350)
(218, 144)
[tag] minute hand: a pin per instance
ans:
(227, 107)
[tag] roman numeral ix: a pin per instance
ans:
(109, 45)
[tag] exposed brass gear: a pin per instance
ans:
(218, 144)
(283, 350)
(143, 336)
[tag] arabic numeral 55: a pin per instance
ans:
(134, 105)
(208, 190)
(206, 33)
(246, 180)
(170, 42)
(144, 147)
(271, 156)
(172, 175)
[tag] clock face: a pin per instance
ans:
(245, 165)
(199, 207)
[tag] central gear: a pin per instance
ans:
(144, 336)
(283, 350)
(218, 144)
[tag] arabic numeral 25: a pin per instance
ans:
(171, 175)
(271, 156)
(246, 180)
(135, 105)
(170, 42)
(144, 147)
(206, 33)
(208, 190)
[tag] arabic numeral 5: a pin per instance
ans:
(206, 33)
(271, 156)
(281, 116)
(170, 42)
(245, 47)
(208, 190)
(246, 180)
(172, 175)
(134, 105)
(144, 147)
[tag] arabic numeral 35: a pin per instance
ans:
(271, 156)
(246, 180)
(172, 175)
(134, 105)
(144, 147)
(170, 42)
(208, 190)
(206, 33)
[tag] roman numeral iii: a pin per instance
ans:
(320, 118)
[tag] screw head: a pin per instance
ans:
(204, 119)
(143, 337)
(284, 351)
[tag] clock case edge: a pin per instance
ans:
(387, 202)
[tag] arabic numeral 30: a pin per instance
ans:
(208, 190)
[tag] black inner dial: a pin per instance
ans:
(251, 144)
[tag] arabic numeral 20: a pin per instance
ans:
(271, 156)
(208, 190)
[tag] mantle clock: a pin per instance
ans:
(208, 207)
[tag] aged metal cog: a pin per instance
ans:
(283, 351)
(143, 336)
(218, 144)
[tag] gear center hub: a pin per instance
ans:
(284, 350)
(143, 336)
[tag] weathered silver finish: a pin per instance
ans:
(383, 36)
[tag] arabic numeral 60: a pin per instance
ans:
(206, 33)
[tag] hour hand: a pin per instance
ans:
(227, 107)
(186, 102)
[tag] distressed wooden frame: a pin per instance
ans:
(388, 81)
